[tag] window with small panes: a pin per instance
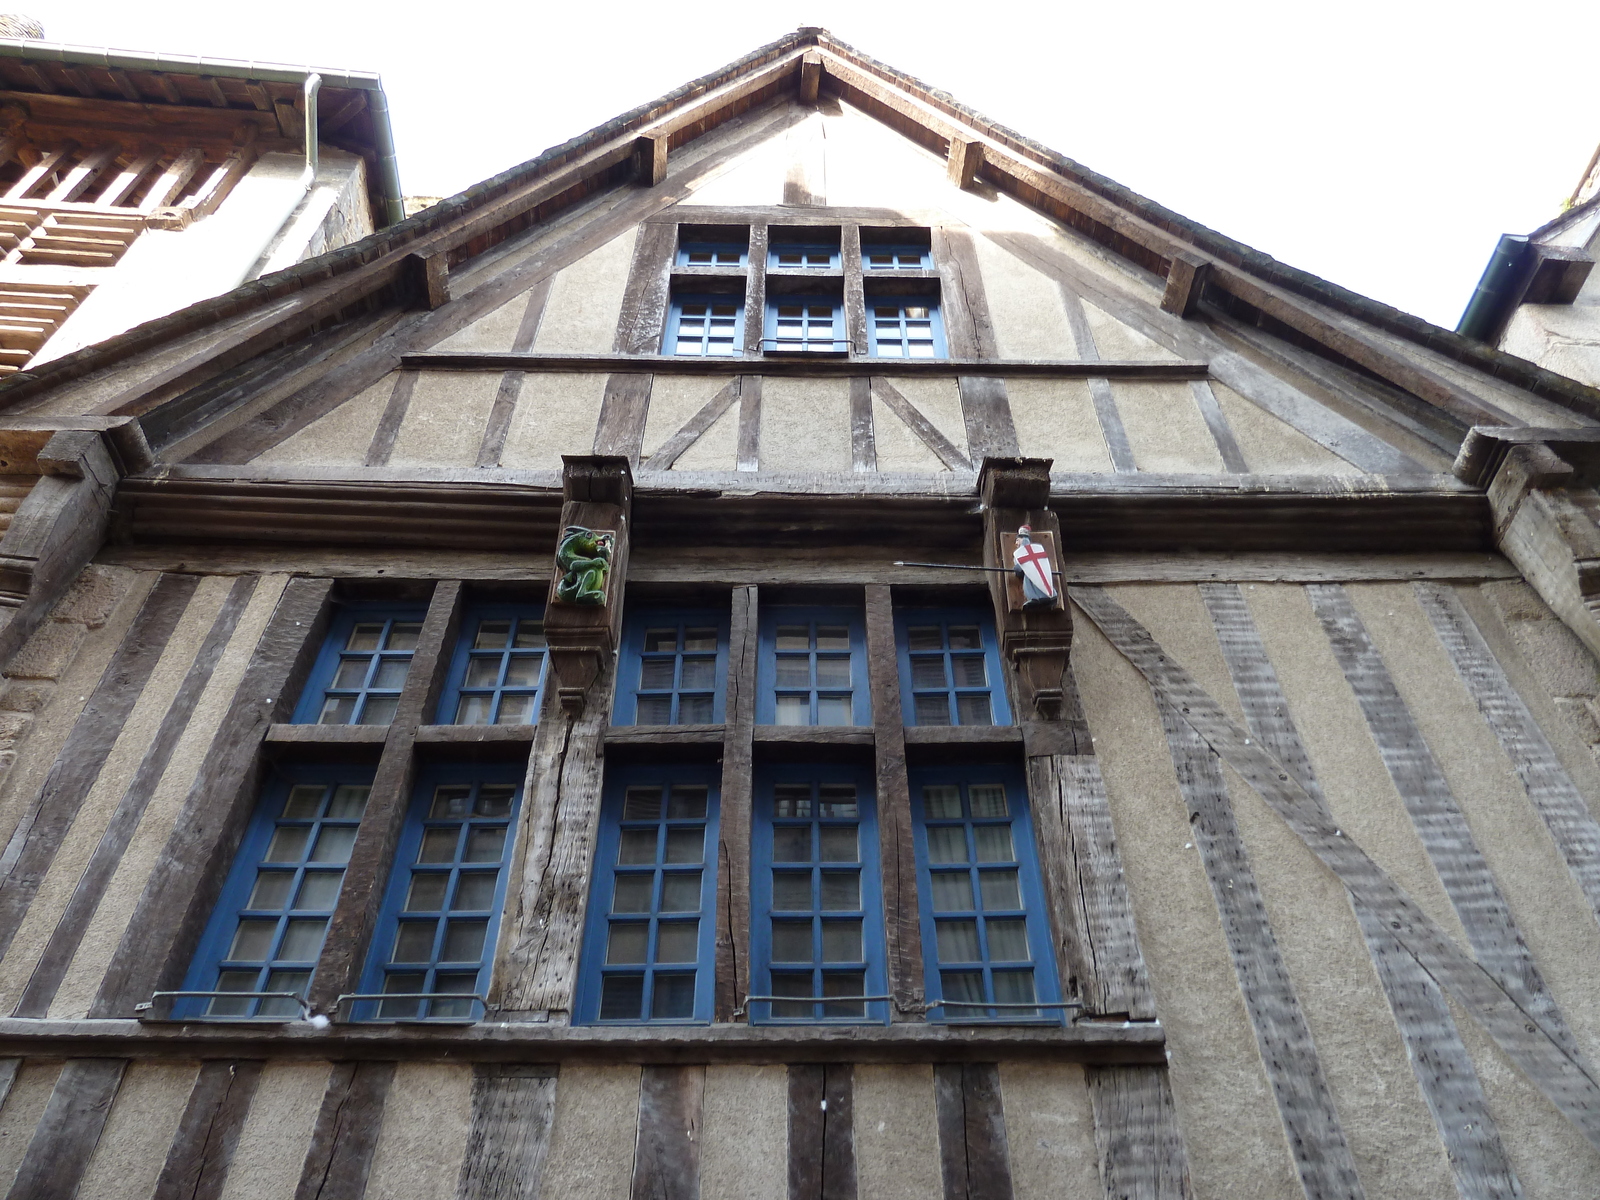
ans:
(497, 672)
(812, 667)
(365, 659)
(950, 667)
(673, 667)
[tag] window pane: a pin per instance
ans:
(451, 801)
(337, 710)
(655, 674)
(791, 985)
(482, 672)
(522, 670)
(413, 942)
(252, 941)
(833, 637)
(439, 845)
(947, 844)
(961, 985)
(427, 891)
(529, 635)
(999, 889)
(494, 799)
(463, 941)
(942, 802)
(391, 674)
(837, 801)
(628, 942)
(271, 889)
(699, 674)
(791, 891)
(925, 637)
(638, 846)
(965, 637)
(284, 981)
(660, 641)
(952, 891)
(288, 843)
(958, 941)
(655, 710)
(791, 941)
(973, 709)
(474, 710)
(304, 801)
(400, 983)
(378, 710)
(302, 939)
(680, 892)
(685, 845)
(988, 800)
(994, 843)
(515, 710)
(970, 671)
(933, 710)
(794, 710)
(672, 997)
(459, 982)
(403, 635)
(841, 890)
(349, 802)
(641, 804)
(492, 635)
(841, 941)
(485, 845)
(677, 941)
(632, 893)
(844, 983)
(929, 672)
(794, 671)
(686, 804)
(791, 843)
(333, 844)
(475, 891)
(833, 672)
(319, 890)
(791, 800)
(794, 637)
(365, 636)
(233, 981)
(695, 710)
(1008, 939)
(833, 710)
(352, 673)
(699, 639)
(839, 843)
(621, 997)
(1015, 987)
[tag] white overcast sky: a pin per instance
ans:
(1382, 144)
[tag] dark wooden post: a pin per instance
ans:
(733, 849)
(597, 493)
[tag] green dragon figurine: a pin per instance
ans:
(584, 557)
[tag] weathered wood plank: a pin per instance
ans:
(183, 886)
(202, 1150)
(974, 1158)
(1440, 824)
(510, 389)
(8, 1076)
(1564, 1081)
(622, 415)
(666, 1158)
(822, 1160)
(986, 411)
(91, 887)
(1217, 422)
(704, 418)
(1137, 1136)
(734, 820)
(969, 328)
(1115, 433)
(863, 437)
(644, 298)
(1443, 1067)
(43, 827)
(927, 434)
(755, 297)
(394, 414)
(855, 298)
(71, 1125)
(346, 1132)
(1556, 798)
(902, 915)
(513, 1106)
(749, 458)
(1288, 1056)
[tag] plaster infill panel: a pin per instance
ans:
(556, 414)
(1049, 1130)
(592, 1139)
(427, 1117)
(493, 333)
(339, 438)
(133, 1146)
(272, 1145)
(674, 400)
(1030, 318)
(1271, 446)
(744, 1142)
(1118, 342)
(896, 447)
(444, 423)
(1055, 419)
(581, 315)
(1165, 429)
(896, 1132)
(805, 425)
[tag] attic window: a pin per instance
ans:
(712, 245)
(896, 250)
(803, 249)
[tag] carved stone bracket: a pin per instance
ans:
(1034, 641)
(597, 494)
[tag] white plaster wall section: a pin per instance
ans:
(593, 1135)
(104, 933)
(489, 334)
(717, 449)
(165, 270)
(1049, 1131)
(338, 438)
(673, 400)
(939, 400)
(427, 1117)
(1230, 1122)
(897, 448)
(1055, 419)
(805, 425)
(446, 419)
(138, 731)
(19, 1117)
(580, 317)
(277, 1132)
(1119, 342)
(335, 208)
(1271, 446)
(744, 1133)
(1030, 320)
(872, 166)
(556, 414)
(754, 178)
(896, 1132)
(1386, 1121)
(1560, 338)
(127, 1160)
(1165, 428)
(807, 161)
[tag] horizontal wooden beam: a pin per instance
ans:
(1085, 1041)
(670, 365)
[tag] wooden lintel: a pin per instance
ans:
(650, 159)
(1186, 280)
(965, 157)
(667, 364)
(810, 77)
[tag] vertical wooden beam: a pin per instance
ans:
(964, 157)
(1444, 1070)
(974, 1157)
(749, 423)
(1136, 1134)
(513, 1106)
(810, 77)
(863, 436)
(1217, 422)
(666, 1157)
(642, 319)
(902, 916)
(822, 1157)
(623, 411)
(734, 823)
(394, 414)
(202, 1150)
(346, 1132)
(67, 1132)
(349, 932)
(755, 301)
(855, 296)
(183, 886)
(505, 398)
(968, 326)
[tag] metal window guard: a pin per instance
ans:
(805, 345)
(358, 997)
(739, 1012)
(924, 1007)
(149, 1005)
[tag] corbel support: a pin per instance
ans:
(1186, 279)
(597, 494)
(964, 159)
(810, 77)
(429, 278)
(1034, 642)
(650, 159)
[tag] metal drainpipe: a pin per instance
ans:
(1483, 316)
(308, 176)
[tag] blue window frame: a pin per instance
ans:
(705, 326)
(804, 325)
(985, 936)
(896, 256)
(805, 252)
(363, 665)
(435, 937)
(817, 921)
(904, 327)
(813, 668)
(651, 936)
(497, 673)
(950, 667)
(267, 929)
(711, 254)
(673, 667)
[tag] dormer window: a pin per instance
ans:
(803, 248)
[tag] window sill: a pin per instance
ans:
(1087, 1041)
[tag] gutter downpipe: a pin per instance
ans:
(302, 187)
(388, 160)
(1484, 318)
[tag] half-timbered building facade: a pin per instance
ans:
(799, 644)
